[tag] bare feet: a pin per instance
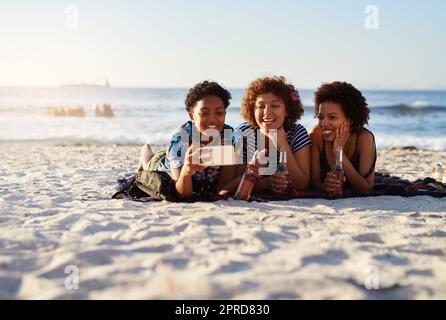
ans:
(146, 155)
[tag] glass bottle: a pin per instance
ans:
(437, 172)
(339, 173)
(282, 167)
(246, 185)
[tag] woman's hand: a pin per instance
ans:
(331, 184)
(342, 135)
(254, 168)
(258, 162)
(278, 137)
(193, 155)
(279, 183)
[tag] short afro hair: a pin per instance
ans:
(350, 99)
(203, 89)
(279, 87)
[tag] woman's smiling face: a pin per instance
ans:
(269, 111)
(330, 117)
(208, 113)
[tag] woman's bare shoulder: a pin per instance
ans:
(365, 135)
(365, 139)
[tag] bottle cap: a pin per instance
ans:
(339, 153)
(282, 156)
(438, 171)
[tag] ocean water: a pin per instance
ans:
(148, 115)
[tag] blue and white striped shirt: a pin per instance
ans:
(297, 138)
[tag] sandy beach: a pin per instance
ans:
(57, 220)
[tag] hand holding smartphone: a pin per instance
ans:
(215, 156)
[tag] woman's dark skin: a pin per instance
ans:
(334, 128)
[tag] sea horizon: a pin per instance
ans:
(397, 118)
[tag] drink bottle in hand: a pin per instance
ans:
(249, 178)
(339, 173)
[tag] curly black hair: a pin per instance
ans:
(352, 101)
(280, 87)
(206, 88)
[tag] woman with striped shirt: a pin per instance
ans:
(271, 106)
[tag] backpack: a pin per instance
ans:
(157, 185)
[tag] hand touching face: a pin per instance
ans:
(342, 135)
(333, 122)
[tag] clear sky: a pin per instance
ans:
(178, 43)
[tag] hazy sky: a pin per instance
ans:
(178, 43)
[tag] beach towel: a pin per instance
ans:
(385, 185)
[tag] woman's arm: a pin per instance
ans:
(299, 167)
(366, 150)
(315, 156)
(183, 182)
(229, 179)
(183, 175)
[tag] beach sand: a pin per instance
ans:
(57, 221)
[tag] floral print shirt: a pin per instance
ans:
(203, 181)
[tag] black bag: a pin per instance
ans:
(127, 189)
(157, 185)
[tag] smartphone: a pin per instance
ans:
(216, 156)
